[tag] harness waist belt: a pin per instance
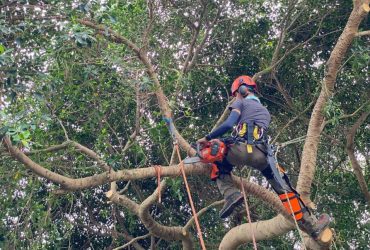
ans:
(250, 132)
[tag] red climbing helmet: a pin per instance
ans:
(246, 80)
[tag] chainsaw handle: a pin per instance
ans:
(200, 147)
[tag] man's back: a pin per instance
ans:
(251, 110)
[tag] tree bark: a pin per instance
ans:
(350, 148)
(309, 154)
(263, 230)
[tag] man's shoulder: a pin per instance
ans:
(236, 104)
(251, 102)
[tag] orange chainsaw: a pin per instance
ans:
(210, 152)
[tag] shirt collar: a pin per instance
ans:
(253, 97)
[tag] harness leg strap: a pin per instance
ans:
(273, 175)
(275, 180)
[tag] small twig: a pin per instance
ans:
(114, 132)
(52, 111)
(125, 188)
(348, 115)
(132, 241)
(148, 29)
(223, 115)
(205, 38)
(295, 140)
(343, 64)
(93, 155)
(196, 30)
(288, 52)
(363, 33)
(201, 212)
(291, 121)
(350, 147)
(64, 129)
(60, 191)
(50, 149)
(129, 143)
(283, 91)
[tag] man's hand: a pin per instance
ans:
(202, 141)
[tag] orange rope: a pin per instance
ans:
(158, 171)
(248, 214)
(190, 199)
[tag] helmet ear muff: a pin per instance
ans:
(243, 90)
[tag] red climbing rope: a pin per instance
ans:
(248, 213)
(190, 199)
(171, 129)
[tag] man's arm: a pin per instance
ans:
(224, 127)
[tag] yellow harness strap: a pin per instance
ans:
(249, 149)
(256, 135)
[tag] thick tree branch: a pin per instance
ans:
(262, 230)
(266, 196)
(99, 179)
(350, 148)
(309, 154)
(161, 231)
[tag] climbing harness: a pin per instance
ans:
(250, 133)
(288, 195)
(175, 143)
(291, 200)
(275, 169)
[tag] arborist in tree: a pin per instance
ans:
(248, 146)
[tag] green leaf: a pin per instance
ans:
(2, 49)
(16, 138)
(26, 134)
(25, 143)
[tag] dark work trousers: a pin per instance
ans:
(238, 156)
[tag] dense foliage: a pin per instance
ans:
(60, 79)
